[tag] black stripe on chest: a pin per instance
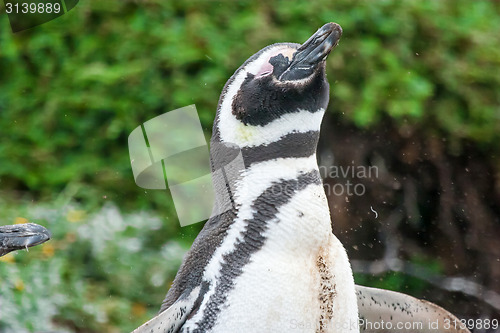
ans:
(252, 239)
(292, 145)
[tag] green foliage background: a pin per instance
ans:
(73, 89)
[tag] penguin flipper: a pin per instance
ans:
(171, 319)
(383, 311)
(21, 236)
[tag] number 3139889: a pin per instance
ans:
(25, 8)
(471, 324)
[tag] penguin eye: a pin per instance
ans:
(266, 69)
(263, 74)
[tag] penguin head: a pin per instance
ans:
(279, 90)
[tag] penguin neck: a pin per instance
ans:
(268, 198)
(236, 169)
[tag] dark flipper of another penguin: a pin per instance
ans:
(21, 236)
(384, 311)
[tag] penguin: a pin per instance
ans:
(267, 260)
(21, 236)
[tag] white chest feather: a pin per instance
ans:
(300, 281)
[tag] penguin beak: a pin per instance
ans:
(21, 236)
(313, 52)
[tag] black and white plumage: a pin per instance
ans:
(269, 261)
(21, 236)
